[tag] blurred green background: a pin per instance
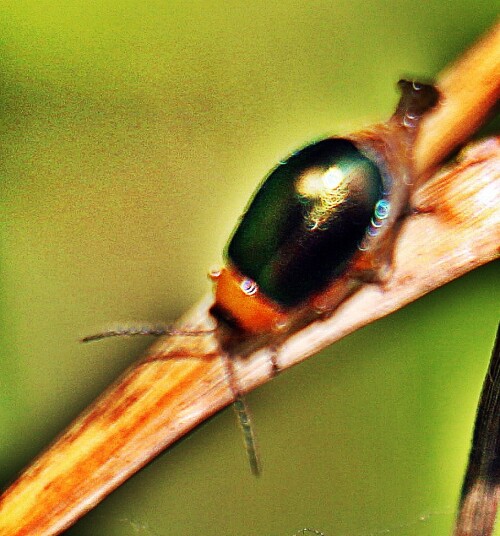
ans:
(133, 134)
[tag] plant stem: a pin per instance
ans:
(470, 89)
(169, 392)
(481, 489)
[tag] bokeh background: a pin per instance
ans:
(132, 135)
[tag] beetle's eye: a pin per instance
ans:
(307, 219)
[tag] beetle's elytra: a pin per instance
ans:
(307, 220)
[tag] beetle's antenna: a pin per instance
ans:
(240, 406)
(244, 419)
(132, 331)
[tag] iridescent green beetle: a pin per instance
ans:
(322, 222)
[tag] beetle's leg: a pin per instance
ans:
(273, 358)
(374, 260)
(245, 422)
(394, 141)
(416, 100)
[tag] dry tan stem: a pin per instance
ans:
(470, 87)
(168, 393)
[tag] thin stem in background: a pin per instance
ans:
(481, 488)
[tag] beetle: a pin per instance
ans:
(323, 222)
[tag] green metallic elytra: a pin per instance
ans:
(306, 221)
